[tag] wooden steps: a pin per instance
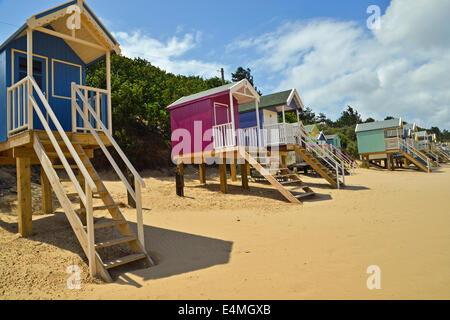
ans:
(73, 214)
(105, 225)
(322, 170)
(124, 260)
(100, 208)
(272, 177)
(416, 162)
(114, 242)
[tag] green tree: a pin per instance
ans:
(368, 120)
(242, 74)
(141, 93)
(307, 116)
(349, 117)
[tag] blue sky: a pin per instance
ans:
(322, 48)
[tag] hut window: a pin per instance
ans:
(392, 133)
(37, 70)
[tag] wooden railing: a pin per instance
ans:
(90, 187)
(86, 113)
(223, 136)
(248, 137)
(97, 98)
(320, 151)
(279, 134)
(19, 115)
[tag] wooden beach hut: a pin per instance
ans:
(334, 140)
(207, 129)
(50, 118)
(383, 141)
(295, 143)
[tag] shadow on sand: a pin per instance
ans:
(173, 252)
(255, 191)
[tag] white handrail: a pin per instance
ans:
(248, 137)
(16, 111)
(322, 153)
(223, 136)
(138, 181)
(64, 137)
(109, 136)
(105, 150)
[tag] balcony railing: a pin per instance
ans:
(280, 134)
(223, 136)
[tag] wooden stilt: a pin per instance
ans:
(24, 196)
(284, 160)
(233, 167)
(223, 176)
(46, 189)
(202, 171)
(233, 172)
(181, 169)
(244, 176)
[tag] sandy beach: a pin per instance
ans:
(254, 244)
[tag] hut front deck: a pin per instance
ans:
(21, 145)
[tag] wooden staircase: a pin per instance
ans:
(279, 176)
(419, 159)
(322, 170)
(77, 216)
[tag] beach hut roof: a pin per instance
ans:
(322, 137)
(332, 136)
(379, 125)
(422, 134)
(54, 21)
(241, 89)
(288, 98)
(310, 127)
(410, 126)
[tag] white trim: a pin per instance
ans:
(245, 83)
(294, 94)
(34, 55)
(70, 84)
(221, 105)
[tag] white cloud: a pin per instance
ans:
(167, 55)
(403, 69)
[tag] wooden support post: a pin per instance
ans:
(30, 74)
(223, 176)
(233, 167)
(25, 213)
(108, 88)
(389, 162)
(284, 160)
(244, 176)
(131, 181)
(82, 183)
(202, 172)
(46, 189)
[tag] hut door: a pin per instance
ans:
(40, 76)
(221, 114)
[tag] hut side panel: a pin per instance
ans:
(371, 141)
(58, 66)
(192, 122)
